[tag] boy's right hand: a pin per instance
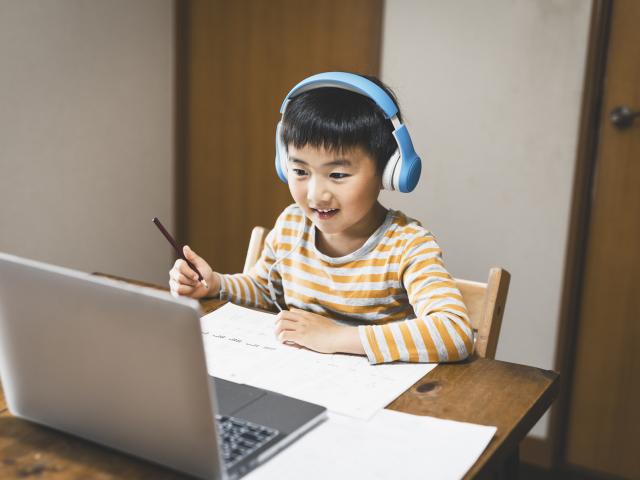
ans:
(184, 281)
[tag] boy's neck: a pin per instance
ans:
(344, 243)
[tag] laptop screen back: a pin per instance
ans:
(113, 363)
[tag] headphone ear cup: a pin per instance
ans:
(281, 155)
(389, 170)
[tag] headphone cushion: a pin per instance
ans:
(389, 170)
(281, 155)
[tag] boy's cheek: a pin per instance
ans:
(296, 193)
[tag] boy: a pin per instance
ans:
(356, 277)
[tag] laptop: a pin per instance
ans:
(124, 366)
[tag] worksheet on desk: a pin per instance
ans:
(240, 346)
(389, 445)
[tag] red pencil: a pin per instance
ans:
(178, 250)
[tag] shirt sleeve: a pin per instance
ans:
(441, 331)
(256, 288)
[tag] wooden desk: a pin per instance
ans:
(488, 392)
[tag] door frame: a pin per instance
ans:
(584, 178)
(551, 452)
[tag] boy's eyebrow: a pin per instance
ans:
(338, 162)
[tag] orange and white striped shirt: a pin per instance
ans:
(394, 288)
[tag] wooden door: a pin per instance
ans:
(604, 421)
(237, 60)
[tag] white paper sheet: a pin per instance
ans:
(391, 445)
(240, 346)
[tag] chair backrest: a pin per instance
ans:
(258, 234)
(485, 301)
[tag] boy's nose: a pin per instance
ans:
(318, 192)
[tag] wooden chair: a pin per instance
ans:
(255, 247)
(485, 301)
(485, 304)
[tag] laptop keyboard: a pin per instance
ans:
(241, 438)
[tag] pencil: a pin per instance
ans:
(178, 250)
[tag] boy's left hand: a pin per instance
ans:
(316, 332)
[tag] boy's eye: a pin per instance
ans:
(299, 172)
(339, 176)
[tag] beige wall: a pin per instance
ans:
(86, 133)
(491, 92)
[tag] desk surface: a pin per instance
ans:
(488, 392)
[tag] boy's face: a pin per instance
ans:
(336, 190)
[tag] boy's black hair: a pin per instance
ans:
(338, 120)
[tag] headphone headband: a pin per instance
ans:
(345, 81)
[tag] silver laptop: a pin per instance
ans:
(124, 366)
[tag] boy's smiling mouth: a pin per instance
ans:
(324, 213)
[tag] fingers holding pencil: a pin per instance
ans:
(197, 265)
(191, 275)
(183, 275)
(184, 279)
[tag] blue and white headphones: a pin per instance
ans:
(403, 168)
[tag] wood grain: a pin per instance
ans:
(258, 235)
(242, 59)
(28, 450)
(604, 424)
(551, 451)
(485, 303)
(487, 392)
